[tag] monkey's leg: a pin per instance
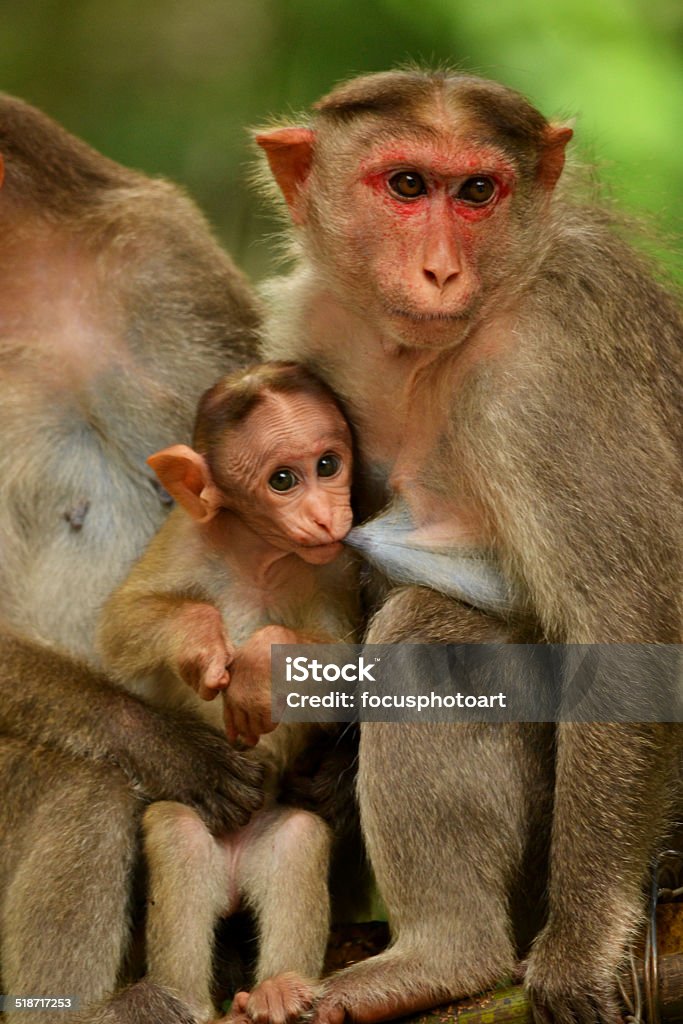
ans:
(67, 847)
(445, 816)
(189, 889)
(612, 807)
(284, 877)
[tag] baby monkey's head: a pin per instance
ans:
(272, 445)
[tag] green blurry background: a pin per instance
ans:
(168, 86)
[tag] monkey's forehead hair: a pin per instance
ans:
(404, 95)
(232, 398)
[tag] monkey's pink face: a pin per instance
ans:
(430, 224)
(290, 466)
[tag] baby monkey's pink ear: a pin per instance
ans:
(289, 152)
(186, 476)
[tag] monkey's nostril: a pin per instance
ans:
(440, 278)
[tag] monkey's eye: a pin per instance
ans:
(477, 190)
(328, 464)
(282, 480)
(407, 185)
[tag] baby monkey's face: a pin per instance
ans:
(289, 467)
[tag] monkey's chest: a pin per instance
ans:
(420, 467)
(247, 606)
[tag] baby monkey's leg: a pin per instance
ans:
(283, 874)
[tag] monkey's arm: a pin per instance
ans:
(158, 618)
(54, 701)
(141, 633)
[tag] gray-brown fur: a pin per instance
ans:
(73, 798)
(564, 444)
(117, 310)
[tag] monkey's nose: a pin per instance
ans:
(440, 277)
(332, 529)
(322, 520)
(441, 259)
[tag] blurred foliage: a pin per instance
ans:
(169, 87)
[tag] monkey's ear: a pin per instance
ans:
(289, 152)
(551, 160)
(186, 476)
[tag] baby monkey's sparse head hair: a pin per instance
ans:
(230, 400)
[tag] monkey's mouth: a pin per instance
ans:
(418, 317)
(320, 554)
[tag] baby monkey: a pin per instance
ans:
(251, 556)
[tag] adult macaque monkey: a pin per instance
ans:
(252, 556)
(513, 371)
(117, 310)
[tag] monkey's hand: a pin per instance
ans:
(186, 760)
(201, 650)
(167, 755)
(566, 989)
(246, 708)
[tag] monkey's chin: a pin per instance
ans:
(429, 330)
(321, 554)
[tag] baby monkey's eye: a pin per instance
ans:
(407, 185)
(282, 480)
(478, 190)
(328, 464)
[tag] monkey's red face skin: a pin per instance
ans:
(433, 218)
(417, 222)
(289, 467)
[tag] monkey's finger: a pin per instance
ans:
(266, 723)
(215, 679)
(254, 723)
(239, 1003)
(260, 723)
(230, 729)
(249, 741)
(240, 719)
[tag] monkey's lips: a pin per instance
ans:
(428, 316)
(320, 554)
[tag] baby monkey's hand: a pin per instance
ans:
(247, 702)
(204, 652)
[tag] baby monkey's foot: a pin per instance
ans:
(279, 1000)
